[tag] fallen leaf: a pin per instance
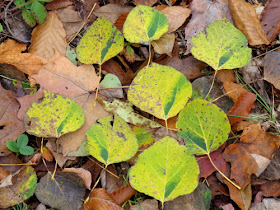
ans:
(111, 12)
(111, 81)
(205, 12)
(144, 2)
(10, 126)
(10, 52)
(241, 125)
(226, 75)
(246, 20)
(65, 191)
(216, 187)
(83, 173)
(12, 160)
(272, 172)
(176, 16)
(120, 21)
(234, 90)
(100, 199)
(3, 173)
(271, 188)
(272, 67)
(269, 203)
(12, 72)
(165, 44)
(148, 204)
(123, 194)
(46, 153)
(94, 167)
(48, 38)
(242, 107)
(58, 4)
(200, 198)
(23, 184)
(253, 141)
(270, 19)
(59, 75)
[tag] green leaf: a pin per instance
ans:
(165, 171)
(27, 188)
(143, 136)
(222, 46)
(160, 90)
(12, 146)
(101, 42)
(39, 11)
(26, 150)
(28, 17)
(126, 112)
(53, 116)
(111, 140)
(71, 55)
(144, 24)
(22, 140)
(1, 27)
(110, 80)
(204, 126)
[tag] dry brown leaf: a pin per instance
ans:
(111, 12)
(271, 19)
(216, 187)
(144, 2)
(245, 156)
(13, 162)
(165, 44)
(247, 21)
(120, 21)
(59, 75)
(225, 75)
(100, 199)
(46, 154)
(272, 68)
(3, 173)
(10, 53)
(271, 188)
(234, 90)
(123, 194)
(176, 16)
(83, 173)
(94, 167)
(49, 37)
(58, 4)
(148, 204)
(240, 126)
(205, 12)
(10, 126)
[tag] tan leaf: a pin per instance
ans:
(58, 4)
(176, 16)
(225, 75)
(246, 20)
(123, 194)
(272, 67)
(101, 200)
(165, 44)
(10, 53)
(145, 2)
(49, 37)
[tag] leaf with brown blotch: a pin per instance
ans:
(10, 126)
(101, 200)
(58, 4)
(10, 53)
(144, 2)
(49, 37)
(60, 76)
(270, 19)
(246, 20)
(205, 12)
(242, 107)
(123, 194)
(176, 16)
(272, 68)
(247, 156)
(165, 44)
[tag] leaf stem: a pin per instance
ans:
(211, 85)
(150, 54)
(239, 188)
(97, 89)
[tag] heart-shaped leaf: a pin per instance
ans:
(222, 46)
(165, 171)
(204, 126)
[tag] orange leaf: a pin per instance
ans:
(123, 194)
(10, 53)
(234, 90)
(101, 200)
(49, 37)
(246, 20)
(225, 75)
(47, 154)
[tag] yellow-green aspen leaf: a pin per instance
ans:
(101, 42)
(144, 24)
(53, 116)
(222, 46)
(204, 126)
(165, 171)
(160, 90)
(111, 140)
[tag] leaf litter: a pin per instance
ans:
(164, 91)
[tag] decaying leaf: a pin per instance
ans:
(101, 42)
(246, 20)
(244, 155)
(10, 53)
(160, 90)
(205, 12)
(272, 68)
(270, 19)
(123, 194)
(49, 37)
(165, 44)
(126, 112)
(53, 116)
(66, 191)
(222, 46)
(111, 81)
(111, 140)
(165, 171)
(83, 173)
(144, 24)
(23, 184)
